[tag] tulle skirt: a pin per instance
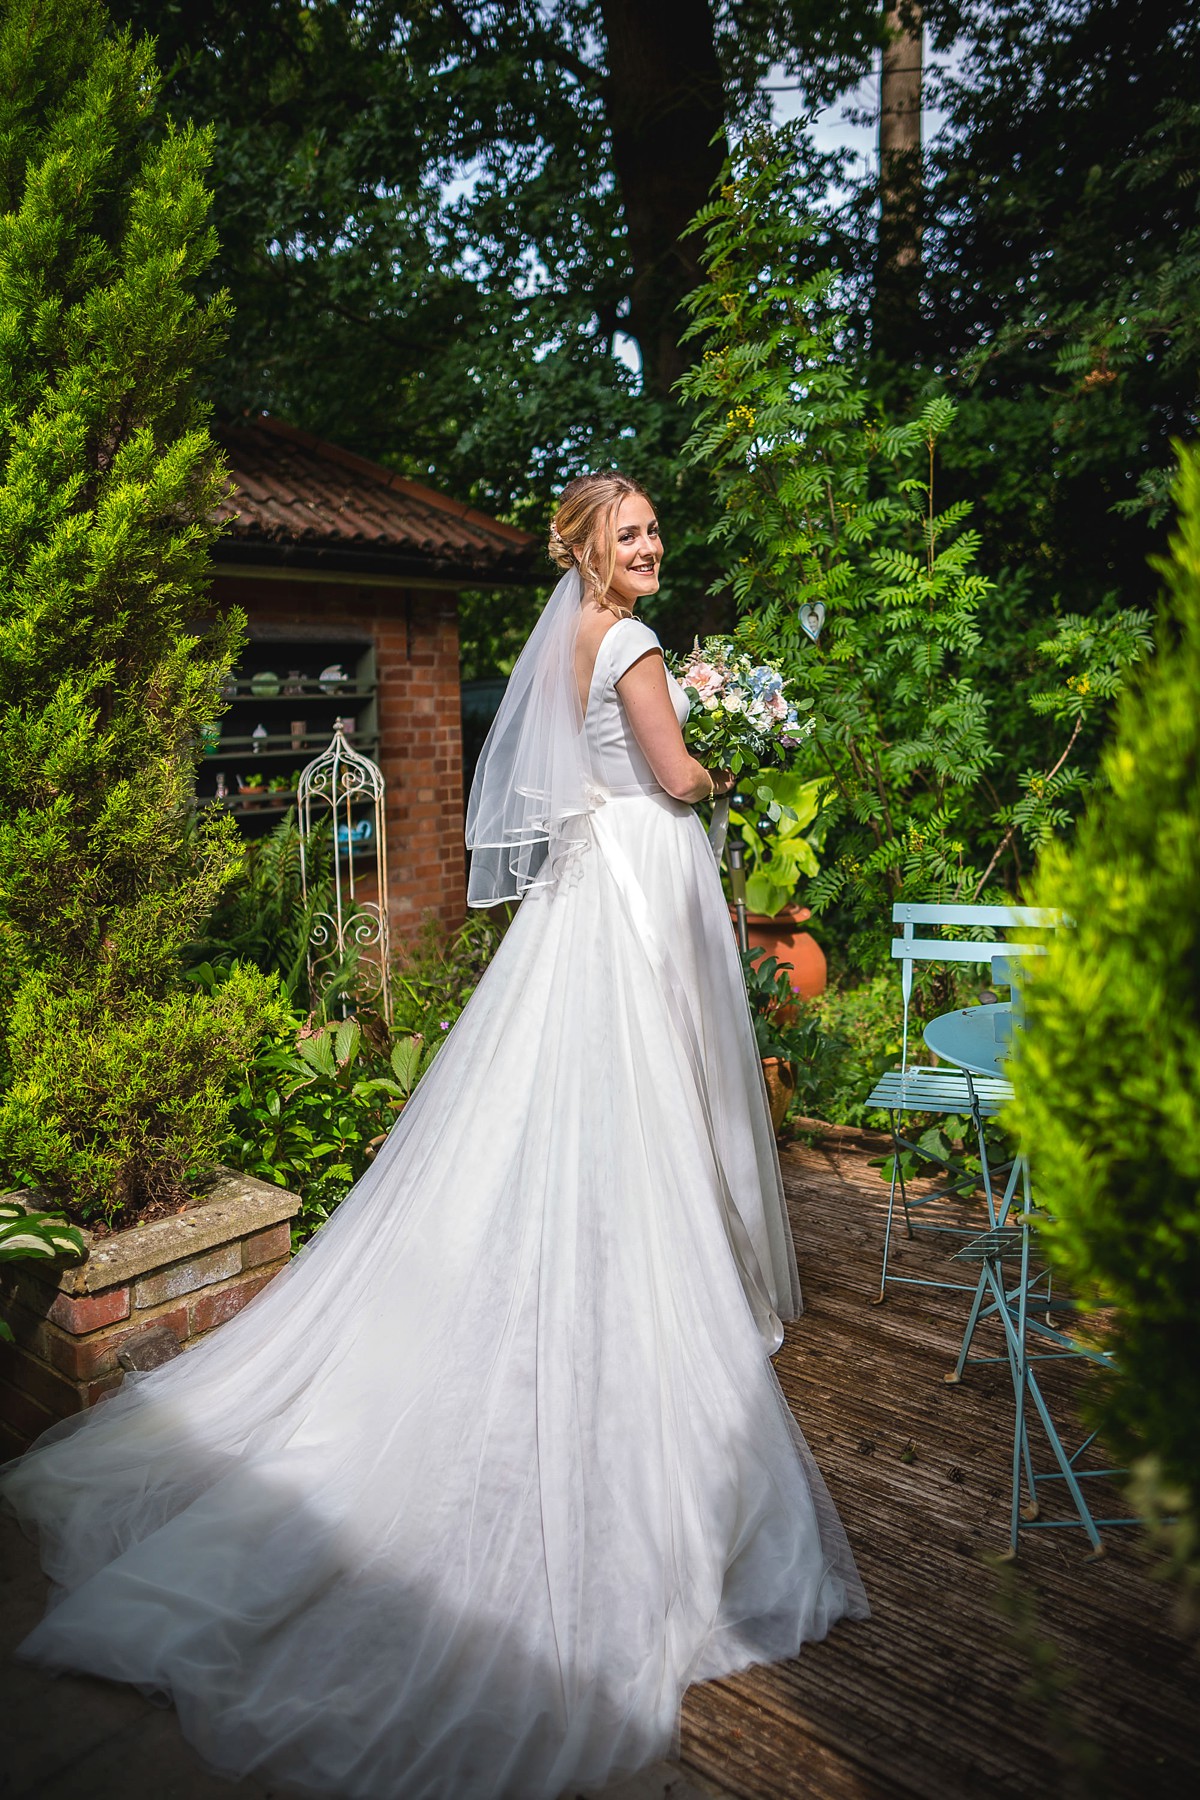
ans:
(463, 1501)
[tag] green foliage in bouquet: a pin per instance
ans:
(824, 503)
(1108, 1074)
(108, 484)
(741, 717)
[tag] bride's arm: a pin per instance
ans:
(647, 702)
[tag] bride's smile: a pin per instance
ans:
(639, 550)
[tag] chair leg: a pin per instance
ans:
(1010, 1188)
(956, 1376)
(977, 1121)
(898, 1173)
(1065, 1465)
(887, 1230)
(1021, 1371)
(1027, 1382)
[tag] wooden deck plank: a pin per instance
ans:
(931, 1698)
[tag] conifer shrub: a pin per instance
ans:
(108, 482)
(1108, 1075)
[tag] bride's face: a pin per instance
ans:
(639, 552)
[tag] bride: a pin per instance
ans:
(475, 1488)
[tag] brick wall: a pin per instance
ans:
(415, 633)
(142, 1296)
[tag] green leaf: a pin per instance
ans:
(318, 1053)
(39, 1237)
(766, 896)
(347, 1041)
(406, 1062)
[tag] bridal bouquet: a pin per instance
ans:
(741, 717)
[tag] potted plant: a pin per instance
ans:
(250, 787)
(790, 1047)
(780, 851)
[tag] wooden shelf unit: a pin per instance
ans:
(295, 663)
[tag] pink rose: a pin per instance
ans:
(703, 677)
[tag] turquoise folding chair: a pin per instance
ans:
(1028, 1313)
(920, 1089)
(1030, 1340)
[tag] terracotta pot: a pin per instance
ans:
(780, 1078)
(796, 950)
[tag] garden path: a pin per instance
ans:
(930, 1700)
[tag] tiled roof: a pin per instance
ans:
(300, 500)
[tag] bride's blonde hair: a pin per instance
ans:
(583, 532)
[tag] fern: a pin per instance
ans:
(821, 496)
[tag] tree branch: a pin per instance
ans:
(1007, 839)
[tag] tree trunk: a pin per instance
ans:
(665, 104)
(896, 315)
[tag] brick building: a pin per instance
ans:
(349, 577)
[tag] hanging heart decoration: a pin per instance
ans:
(812, 617)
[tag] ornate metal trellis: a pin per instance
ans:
(352, 788)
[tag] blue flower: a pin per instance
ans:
(764, 680)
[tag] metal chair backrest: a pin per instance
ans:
(1001, 955)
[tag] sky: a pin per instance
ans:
(850, 123)
(843, 125)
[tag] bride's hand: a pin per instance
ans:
(723, 782)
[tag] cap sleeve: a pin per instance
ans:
(628, 642)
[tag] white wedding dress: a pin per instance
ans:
(464, 1500)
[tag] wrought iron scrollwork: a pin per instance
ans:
(352, 788)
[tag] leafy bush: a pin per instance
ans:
(121, 1109)
(781, 840)
(263, 918)
(315, 1102)
(107, 495)
(1108, 1074)
(826, 503)
(313, 1108)
(863, 1025)
(436, 977)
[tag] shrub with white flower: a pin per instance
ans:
(741, 715)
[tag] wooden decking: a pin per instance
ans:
(1063, 1677)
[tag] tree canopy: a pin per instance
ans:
(456, 239)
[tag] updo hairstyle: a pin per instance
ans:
(583, 532)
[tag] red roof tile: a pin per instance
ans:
(299, 499)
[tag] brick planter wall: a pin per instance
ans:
(142, 1296)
